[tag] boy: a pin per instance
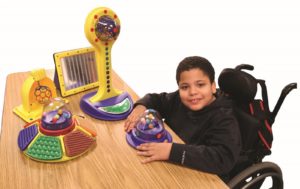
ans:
(204, 121)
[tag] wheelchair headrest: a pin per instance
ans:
(238, 84)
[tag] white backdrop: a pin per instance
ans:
(156, 35)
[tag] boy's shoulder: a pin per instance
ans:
(224, 104)
(224, 100)
(172, 95)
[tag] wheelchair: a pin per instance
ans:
(255, 121)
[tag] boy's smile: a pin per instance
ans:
(195, 89)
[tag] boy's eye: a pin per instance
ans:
(200, 84)
(184, 87)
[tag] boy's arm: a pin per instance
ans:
(161, 102)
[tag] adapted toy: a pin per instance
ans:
(56, 137)
(37, 90)
(75, 71)
(102, 28)
(150, 128)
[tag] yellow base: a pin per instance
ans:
(28, 116)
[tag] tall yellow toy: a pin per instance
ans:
(102, 28)
(37, 90)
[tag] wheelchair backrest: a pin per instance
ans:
(254, 116)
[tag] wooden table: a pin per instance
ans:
(112, 163)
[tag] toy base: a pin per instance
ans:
(134, 142)
(52, 149)
(58, 132)
(97, 111)
(28, 116)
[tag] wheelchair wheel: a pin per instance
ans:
(254, 176)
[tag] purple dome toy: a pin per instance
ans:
(150, 128)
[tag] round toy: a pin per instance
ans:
(150, 128)
(56, 137)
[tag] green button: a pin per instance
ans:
(119, 108)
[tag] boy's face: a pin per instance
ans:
(195, 89)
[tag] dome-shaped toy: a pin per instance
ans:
(149, 128)
(57, 136)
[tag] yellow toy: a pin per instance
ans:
(102, 28)
(37, 90)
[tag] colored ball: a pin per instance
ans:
(107, 29)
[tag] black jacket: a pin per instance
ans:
(211, 135)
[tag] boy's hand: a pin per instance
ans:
(134, 117)
(154, 151)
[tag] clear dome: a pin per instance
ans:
(54, 104)
(55, 115)
(150, 120)
(149, 128)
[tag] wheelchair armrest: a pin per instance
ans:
(256, 174)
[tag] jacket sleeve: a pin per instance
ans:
(218, 154)
(161, 102)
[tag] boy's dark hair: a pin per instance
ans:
(193, 62)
